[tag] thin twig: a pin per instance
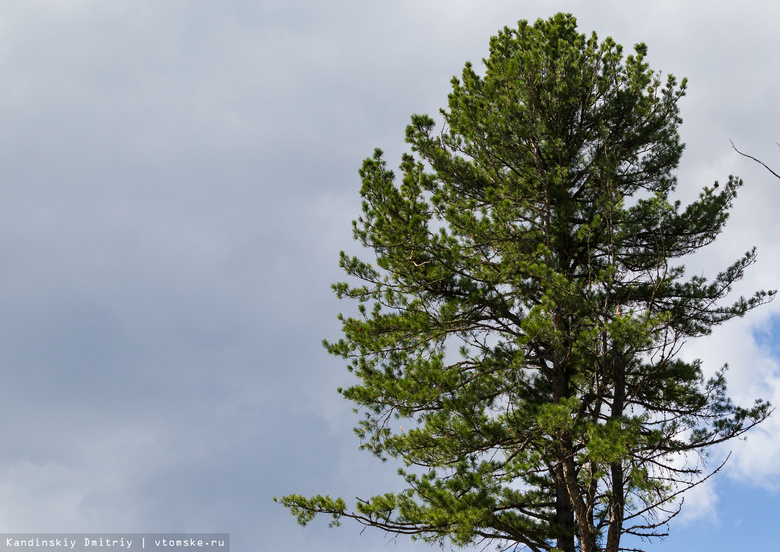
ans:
(754, 159)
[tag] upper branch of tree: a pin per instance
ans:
(754, 159)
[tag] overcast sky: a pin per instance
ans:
(178, 177)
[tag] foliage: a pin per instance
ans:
(524, 314)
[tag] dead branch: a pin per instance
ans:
(754, 159)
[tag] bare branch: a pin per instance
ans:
(754, 159)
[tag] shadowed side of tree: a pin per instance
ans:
(526, 307)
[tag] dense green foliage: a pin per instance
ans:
(524, 314)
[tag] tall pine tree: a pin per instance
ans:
(526, 309)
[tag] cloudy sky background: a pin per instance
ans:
(178, 177)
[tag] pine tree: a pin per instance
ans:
(525, 312)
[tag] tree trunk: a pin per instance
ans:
(617, 500)
(564, 514)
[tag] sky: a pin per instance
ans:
(177, 178)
